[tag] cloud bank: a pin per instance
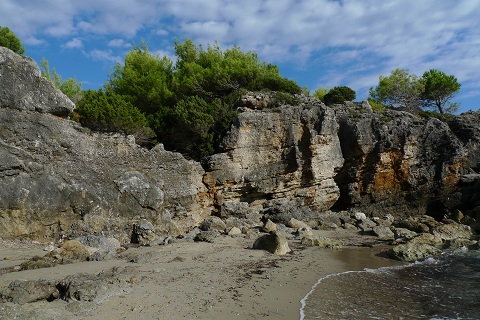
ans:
(345, 42)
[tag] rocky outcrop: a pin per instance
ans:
(396, 162)
(285, 152)
(23, 87)
(59, 180)
(279, 161)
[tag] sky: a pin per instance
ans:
(317, 43)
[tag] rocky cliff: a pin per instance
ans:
(59, 180)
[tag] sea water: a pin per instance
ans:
(443, 288)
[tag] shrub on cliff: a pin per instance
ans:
(399, 90)
(320, 93)
(434, 90)
(70, 87)
(109, 112)
(9, 40)
(338, 95)
(192, 103)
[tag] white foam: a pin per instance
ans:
(303, 302)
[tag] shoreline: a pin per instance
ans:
(220, 280)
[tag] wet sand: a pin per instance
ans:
(221, 280)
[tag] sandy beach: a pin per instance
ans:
(221, 280)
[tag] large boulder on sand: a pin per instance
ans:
(274, 242)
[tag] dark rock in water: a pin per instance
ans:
(274, 242)
(452, 231)
(413, 251)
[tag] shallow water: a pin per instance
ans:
(443, 288)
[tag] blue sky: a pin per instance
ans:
(318, 43)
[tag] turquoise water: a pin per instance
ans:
(443, 288)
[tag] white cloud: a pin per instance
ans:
(33, 41)
(351, 40)
(119, 43)
(75, 43)
(104, 55)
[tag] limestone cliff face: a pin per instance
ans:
(286, 152)
(396, 162)
(57, 179)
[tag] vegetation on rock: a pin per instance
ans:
(189, 105)
(71, 87)
(439, 89)
(9, 40)
(338, 95)
(401, 89)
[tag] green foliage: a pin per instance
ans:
(399, 90)
(403, 90)
(320, 93)
(70, 87)
(144, 80)
(9, 40)
(433, 114)
(280, 98)
(211, 74)
(110, 112)
(190, 105)
(377, 106)
(439, 89)
(339, 95)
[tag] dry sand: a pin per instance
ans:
(220, 280)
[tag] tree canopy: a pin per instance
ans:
(9, 40)
(401, 89)
(338, 95)
(439, 89)
(191, 103)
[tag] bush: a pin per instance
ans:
(339, 95)
(9, 40)
(109, 112)
(191, 105)
(377, 106)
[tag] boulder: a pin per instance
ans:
(22, 87)
(414, 251)
(234, 231)
(274, 242)
(207, 236)
(72, 250)
(383, 233)
(213, 223)
(106, 248)
(297, 224)
(269, 226)
(312, 241)
(452, 231)
(143, 232)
